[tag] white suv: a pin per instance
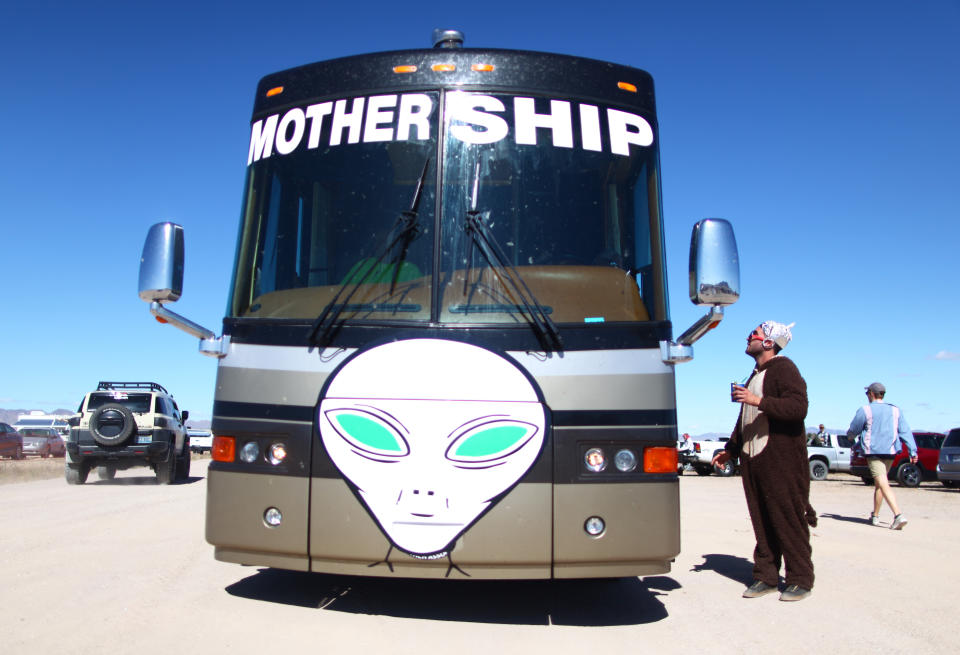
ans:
(127, 424)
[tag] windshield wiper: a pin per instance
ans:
(404, 229)
(546, 330)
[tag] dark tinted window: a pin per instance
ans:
(926, 440)
(953, 439)
(135, 402)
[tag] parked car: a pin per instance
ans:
(45, 442)
(907, 474)
(948, 466)
(201, 441)
(832, 456)
(11, 443)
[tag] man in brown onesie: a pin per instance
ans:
(770, 441)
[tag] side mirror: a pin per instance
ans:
(183, 416)
(161, 264)
(714, 263)
(161, 280)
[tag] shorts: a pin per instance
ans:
(879, 467)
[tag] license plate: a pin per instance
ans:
(145, 438)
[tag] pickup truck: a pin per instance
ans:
(700, 453)
(833, 457)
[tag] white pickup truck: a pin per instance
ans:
(830, 458)
(700, 453)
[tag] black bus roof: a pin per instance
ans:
(509, 70)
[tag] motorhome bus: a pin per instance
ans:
(447, 350)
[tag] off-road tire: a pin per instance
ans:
(119, 423)
(167, 468)
(818, 469)
(107, 471)
(76, 474)
(183, 462)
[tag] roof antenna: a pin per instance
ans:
(447, 39)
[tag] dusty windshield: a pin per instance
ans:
(566, 193)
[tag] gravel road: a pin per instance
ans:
(122, 566)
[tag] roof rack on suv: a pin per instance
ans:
(152, 386)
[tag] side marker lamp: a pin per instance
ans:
(272, 517)
(482, 68)
(405, 69)
(626, 86)
(224, 449)
(594, 526)
(660, 459)
(444, 68)
(275, 91)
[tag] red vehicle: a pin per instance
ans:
(907, 474)
(11, 443)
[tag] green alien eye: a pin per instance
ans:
(368, 432)
(490, 441)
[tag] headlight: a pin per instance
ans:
(277, 453)
(595, 460)
(625, 460)
(249, 452)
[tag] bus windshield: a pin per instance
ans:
(561, 216)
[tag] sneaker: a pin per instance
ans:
(757, 589)
(874, 519)
(898, 522)
(794, 592)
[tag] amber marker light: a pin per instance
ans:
(443, 68)
(224, 449)
(275, 91)
(626, 86)
(482, 68)
(660, 459)
(405, 69)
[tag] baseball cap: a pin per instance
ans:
(876, 388)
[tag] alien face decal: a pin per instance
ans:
(430, 434)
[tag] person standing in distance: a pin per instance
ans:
(770, 440)
(879, 428)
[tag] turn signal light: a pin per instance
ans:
(224, 449)
(660, 459)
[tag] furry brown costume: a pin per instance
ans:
(770, 441)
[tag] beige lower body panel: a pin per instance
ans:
(535, 532)
(642, 534)
(236, 503)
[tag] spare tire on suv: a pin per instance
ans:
(112, 424)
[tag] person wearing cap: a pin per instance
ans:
(879, 428)
(821, 438)
(770, 441)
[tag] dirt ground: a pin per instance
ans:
(123, 566)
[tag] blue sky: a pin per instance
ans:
(826, 132)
